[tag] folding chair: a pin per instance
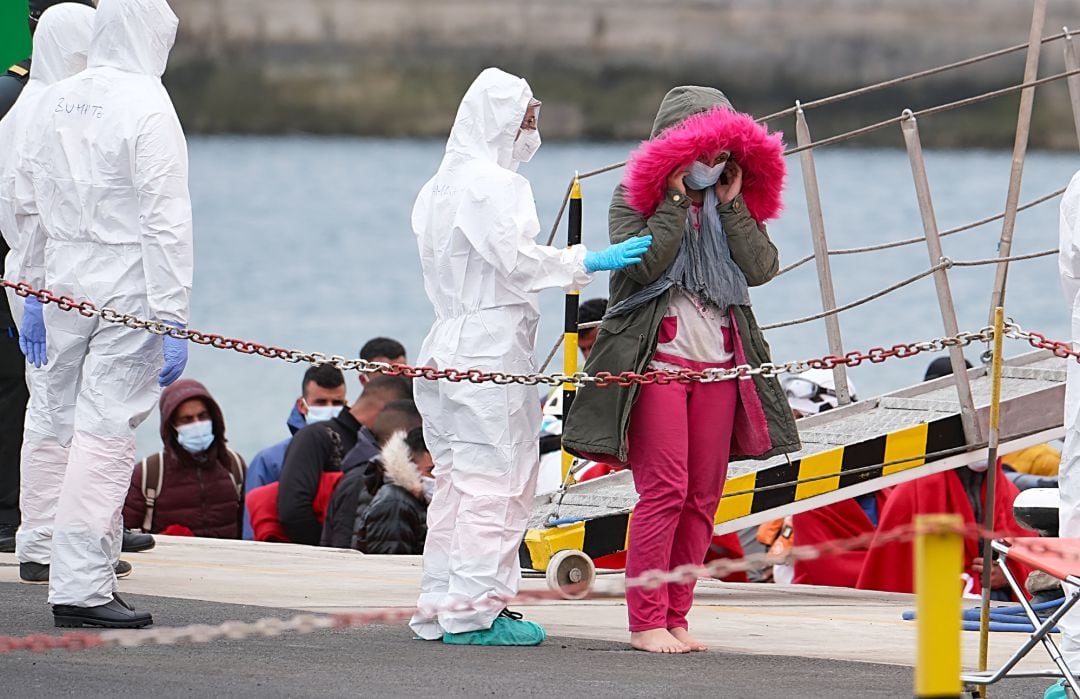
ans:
(1059, 558)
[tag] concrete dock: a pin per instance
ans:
(766, 640)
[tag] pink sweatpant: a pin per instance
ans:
(680, 440)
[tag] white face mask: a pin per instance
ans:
(526, 145)
(979, 467)
(429, 487)
(321, 413)
(702, 176)
(195, 437)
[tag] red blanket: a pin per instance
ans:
(842, 520)
(891, 566)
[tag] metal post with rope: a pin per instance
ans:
(821, 254)
(1023, 130)
(991, 487)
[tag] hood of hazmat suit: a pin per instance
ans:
(475, 223)
(61, 43)
(107, 173)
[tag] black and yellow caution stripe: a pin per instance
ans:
(754, 492)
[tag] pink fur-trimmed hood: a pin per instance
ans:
(759, 153)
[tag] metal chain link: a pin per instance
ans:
(603, 379)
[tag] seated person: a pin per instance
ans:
(353, 495)
(381, 349)
(890, 566)
(1034, 467)
(195, 484)
(401, 485)
(321, 448)
(810, 393)
(322, 397)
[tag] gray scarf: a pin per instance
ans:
(703, 268)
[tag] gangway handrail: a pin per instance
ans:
(846, 136)
(892, 82)
(930, 111)
(946, 263)
(911, 241)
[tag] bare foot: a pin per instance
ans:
(684, 637)
(657, 641)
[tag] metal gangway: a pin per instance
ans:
(872, 444)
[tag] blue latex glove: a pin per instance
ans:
(32, 333)
(175, 352)
(619, 255)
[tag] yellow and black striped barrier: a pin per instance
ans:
(570, 323)
(767, 489)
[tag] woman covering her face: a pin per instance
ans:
(702, 186)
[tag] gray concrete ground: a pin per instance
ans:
(767, 640)
(384, 661)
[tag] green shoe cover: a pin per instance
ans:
(1058, 690)
(504, 632)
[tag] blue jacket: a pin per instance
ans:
(265, 468)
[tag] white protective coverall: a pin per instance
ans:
(108, 182)
(61, 41)
(475, 222)
(1069, 474)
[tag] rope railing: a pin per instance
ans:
(849, 135)
(921, 239)
(893, 82)
(945, 263)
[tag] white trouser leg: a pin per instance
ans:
(119, 389)
(50, 424)
(1069, 527)
(441, 515)
(495, 504)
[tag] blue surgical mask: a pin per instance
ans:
(321, 413)
(702, 176)
(196, 437)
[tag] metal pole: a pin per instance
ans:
(570, 328)
(1071, 64)
(1023, 129)
(991, 486)
(910, 128)
(938, 563)
(821, 254)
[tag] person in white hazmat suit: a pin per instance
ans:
(61, 42)
(475, 223)
(1069, 473)
(106, 181)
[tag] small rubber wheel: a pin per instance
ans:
(570, 573)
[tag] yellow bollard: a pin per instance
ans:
(938, 564)
(570, 341)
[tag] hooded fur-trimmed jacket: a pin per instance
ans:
(691, 121)
(396, 520)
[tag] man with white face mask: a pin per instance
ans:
(475, 223)
(322, 398)
(106, 177)
(194, 484)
